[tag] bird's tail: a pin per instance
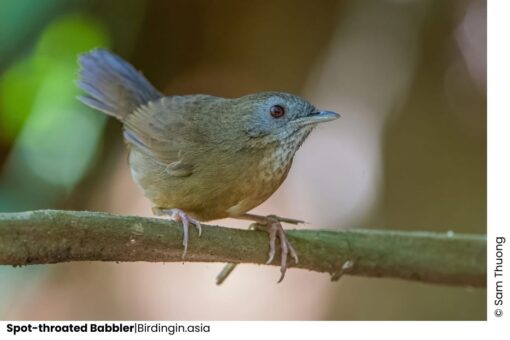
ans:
(112, 85)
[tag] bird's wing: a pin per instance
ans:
(166, 131)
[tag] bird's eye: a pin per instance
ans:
(277, 111)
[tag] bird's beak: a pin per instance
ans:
(318, 117)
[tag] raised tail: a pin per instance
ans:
(112, 84)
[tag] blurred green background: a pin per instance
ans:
(409, 153)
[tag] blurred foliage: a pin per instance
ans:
(18, 20)
(54, 57)
(56, 136)
(18, 87)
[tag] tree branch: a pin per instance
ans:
(50, 236)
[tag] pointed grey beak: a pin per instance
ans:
(325, 116)
(318, 117)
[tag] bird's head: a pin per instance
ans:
(276, 117)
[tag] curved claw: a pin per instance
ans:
(198, 226)
(285, 251)
(272, 244)
(185, 238)
(275, 229)
(272, 225)
(179, 215)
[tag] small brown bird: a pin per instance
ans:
(200, 157)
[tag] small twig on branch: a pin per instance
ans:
(50, 236)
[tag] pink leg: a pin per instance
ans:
(179, 215)
(272, 224)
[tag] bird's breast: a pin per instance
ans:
(220, 186)
(262, 180)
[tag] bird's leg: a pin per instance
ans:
(274, 227)
(179, 215)
(272, 224)
(263, 219)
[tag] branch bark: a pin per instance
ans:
(51, 236)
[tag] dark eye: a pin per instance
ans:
(277, 111)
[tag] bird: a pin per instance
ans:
(200, 157)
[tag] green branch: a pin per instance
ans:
(50, 236)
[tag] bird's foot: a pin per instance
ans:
(179, 215)
(273, 226)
